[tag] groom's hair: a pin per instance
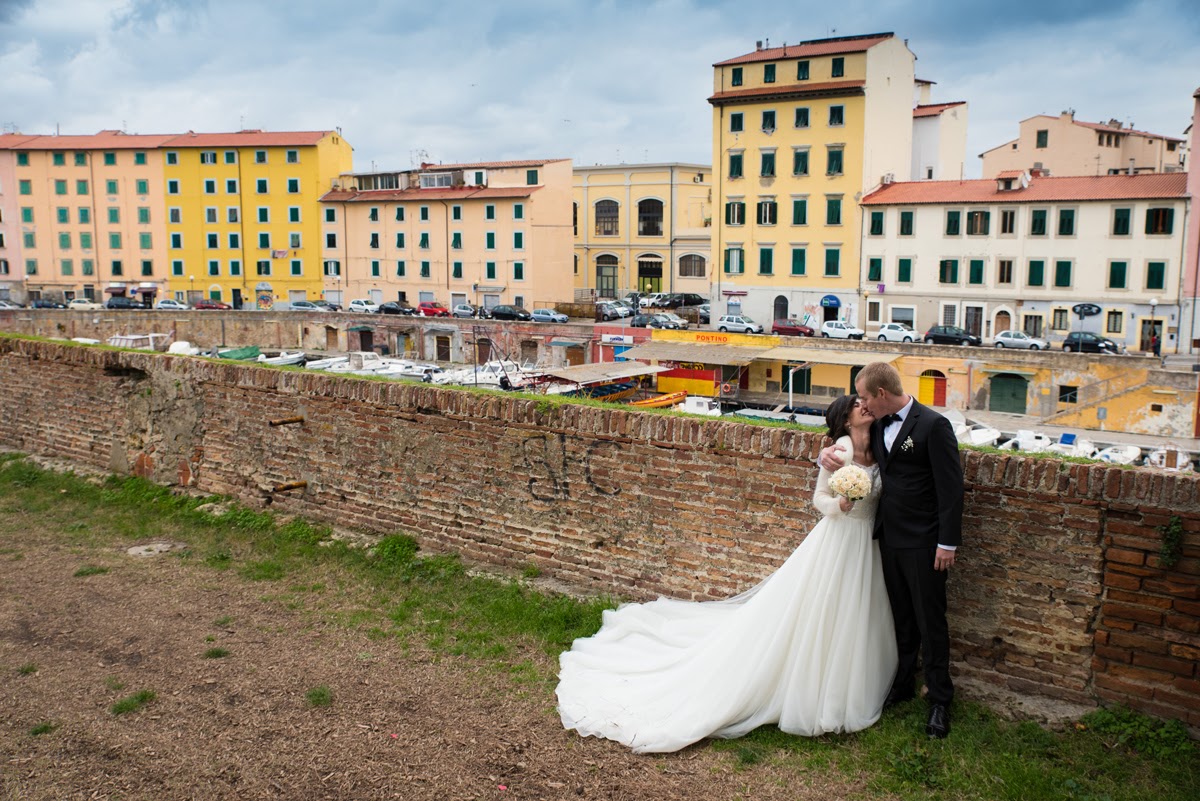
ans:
(881, 375)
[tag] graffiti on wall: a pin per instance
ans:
(552, 464)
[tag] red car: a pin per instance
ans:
(791, 328)
(211, 304)
(431, 308)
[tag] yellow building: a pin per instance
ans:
(243, 213)
(643, 227)
(800, 133)
(487, 233)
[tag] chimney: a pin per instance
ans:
(758, 45)
(1131, 166)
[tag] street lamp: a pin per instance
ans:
(1155, 342)
(191, 289)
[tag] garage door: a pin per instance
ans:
(1008, 393)
(932, 391)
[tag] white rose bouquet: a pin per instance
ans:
(850, 481)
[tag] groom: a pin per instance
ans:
(918, 525)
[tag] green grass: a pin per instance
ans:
(216, 653)
(42, 728)
(90, 570)
(396, 591)
(27, 669)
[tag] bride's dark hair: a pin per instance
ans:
(837, 416)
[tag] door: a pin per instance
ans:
(529, 352)
(483, 351)
(442, 344)
(1008, 393)
(331, 338)
(932, 391)
(781, 308)
(800, 378)
(854, 371)
(973, 320)
(1003, 322)
(236, 298)
(575, 355)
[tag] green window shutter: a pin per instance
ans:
(798, 261)
(729, 214)
(143, 215)
(518, 240)
(85, 215)
(64, 214)
(456, 212)
(800, 212)
(456, 270)
(375, 268)
(1168, 220)
(768, 120)
(1117, 274)
(904, 271)
(489, 212)
(875, 270)
(64, 240)
(975, 276)
(1121, 222)
(801, 70)
(68, 268)
(110, 187)
(490, 270)
(425, 269)
(952, 222)
(833, 259)
(26, 187)
(1037, 273)
(835, 162)
(766, 260)
(736, 124)
(735, 76)
(948, 271)
(27, 214)
(424, 214)
(768, 73)
(518, 271)
(906, 223)
(1037, 224)
(114, 214)
(60, 187)
(399, 239)
(531, 177)
(735, 165)
(1156, 274)
(31, 267)
(877, 223)
(802, 117)
(800, 162)
(29, 239)
(768, 165)
(424, 244)
(1066, 222)
(490, 240)
(85, 240)
(400, 268)
(143, 186)
(838, 68)
(518, 211)
(139, 158)
(145, 241)
(456, 240)
(833, 211)
(114, 241)
(1062, 274)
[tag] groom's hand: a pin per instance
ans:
(943, 559)
(830, 458)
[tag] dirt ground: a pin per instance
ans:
(404, 723)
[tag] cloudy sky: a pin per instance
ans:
(600, 82)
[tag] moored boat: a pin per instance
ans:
(1119, 454)
(659, 401)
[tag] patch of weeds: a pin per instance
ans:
(90, 570)
(114, 684)
(78, 525)
(915, 764)
(396, 551)
(132, 703)
(1172, 542)
(264, 570)
(210, 638)
(531, 571)
(300, 532)
(42, 728)
(223, 621)
(319, 696)
(27, 669)
(221, 560)
(247, 520)
(1123, 728)
(216, 653)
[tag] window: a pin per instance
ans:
(1115, 322)
(766, 260)
(29, 239)
(114, 214)
(423, 244)
(294, 214)
(85, 215)
(373, 214)
(833, 258)
(834, 161)
(1159, 221)
(400, 266)
(876, 223)
(210, 215)
(177, 267)
(489, 240)
(801, 70)
(1043, 138)
(231, 186)
(264, 214)
(736, 122)
(1062, 274)
(213, 241)
(172, 157)
(60, 159)
(31, 267)
(833, 211)
(838, 69)
(330, 240)
(374, 268)
(68, 267)
(330, 215)
(139, 159)
(518, 271)
(261, 186)
(176, 241)
(650, 217)
(735, 213)
(735, 165)
(456, 270)
(117, 268)
(25, 186)
(531, 177)
(518, 211)
(235, 241)
(904, 271)
(147, 267)
(22, 159)
(489, 270)
(837, 116)
(230, 157)
(1008, 221)
(210, 187)
(60, 187)
(799, 259)
(735, 76)
(263, 267)
(208, 157)
(978, 223)
(424, 214)
(264, 240)
(1037, 273)
(489, 212)
(400, 243)
(142, 186)
(800, 211)
(235, 267)
(1117, 274)
(110, 187)
(975, 272)
(173, 187)
(297, 267)
(518, 240)
(1037, 222)
(1004, 271)
(1120, 225)
(260, 157)
(734, 261)
(64, 241)
(691, 266)
(1156, 274)
(1059, 321)
(456, 212)
(952, 222)
(767, 212)
(1066, 222)
(768, 120)
(81, 159)
(27, 214)
(85, 240)
(399, 214)
(800, 162)
(374, 241)
(607, 218)
(768, 164)
(64, 214)
(293, 186)
(948, 271)
(906, 223)
(234, 214)
(293, 157)
(875, 269)
(801, 117)
(294, 240)
(768, 73)
(425, 269)
(1068, 393)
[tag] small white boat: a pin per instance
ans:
(140, 341)
(1070, 444)
(360, 362)
(183, 348)
(325, 364)
(1119, 454)
(497, 373)
(85, 340)
(284, 358)
(1027, 442)
(1169, 459)
(978, 435)
(699, 404)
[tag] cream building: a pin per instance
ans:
(939, 149)
(1063, 145)
(642, 227)
(485, 233)
(1020, 252)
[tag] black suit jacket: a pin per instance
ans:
(922, 500)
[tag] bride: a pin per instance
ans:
(810, 648)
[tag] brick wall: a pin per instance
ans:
(1058, 592)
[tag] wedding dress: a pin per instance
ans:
(810, 648)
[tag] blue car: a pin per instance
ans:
(548, 316)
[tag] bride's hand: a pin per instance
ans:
(846, 504)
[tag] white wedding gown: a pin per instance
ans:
(810, 648)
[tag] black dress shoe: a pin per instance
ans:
(898, 695)
(938, 726)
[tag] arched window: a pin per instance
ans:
(650, 217)
(608, 218)
(691, 266)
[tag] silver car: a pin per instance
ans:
(1019, 339)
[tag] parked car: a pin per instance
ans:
(669, 320)
(84, 304)
(509, 312)
(42, 303)
(170, 304)
(692, 299)
(328, 305)
(652, 299)
(641, 320)
(211, 305)
(363, 305)
(10, 304)
(738, 322)
(612, 311)
(897, 332)
(548, 316)
(677, 300)
(307, 305)
(705, 313)
(431, 308)
(1019, 339)
(463, 310)
(950, 335)
(122, 302)
(1087, 342)
(791, 328)
(837, 329)
(396, 307)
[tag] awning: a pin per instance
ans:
(725, 355)
(360, 328)
(1000, 370)
(831, 302)
(826, 356)
(567, 343)
(115, 290)
(601, 371)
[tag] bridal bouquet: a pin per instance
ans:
(851, 481)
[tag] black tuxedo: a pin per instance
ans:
(920, 507)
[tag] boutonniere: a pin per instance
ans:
(907, 445)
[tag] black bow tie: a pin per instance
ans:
(888, 419)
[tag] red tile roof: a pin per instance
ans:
(118, 140)
(1010, 174)
(791, 89)
(248, 138)
(399, 195)
(11, 140)
(1040, 190)
(1100, 126)
(105, 140)
(811, 47)
(934, 109)
(492, 165)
